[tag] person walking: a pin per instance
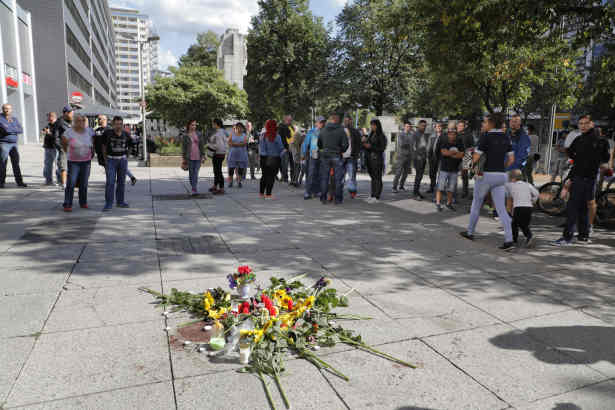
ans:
(351, 156)
(433, 155)
(218, 145)
(51, 151)
(332, 143)
(464, 134)
(10, 128)
(421, 142)
(193, 153)
(497, 148)
(521, 199)
(115, 150)
(452, 152)
(295, 152)
(237, 159)
(534, 157)
(271, 148)
(375, 144)
(403, 161)
(62, 124)
(588, 151)
(311, 154)
(253, 157)
(287, 132)
(78, 144)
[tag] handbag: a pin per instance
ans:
(184, 165)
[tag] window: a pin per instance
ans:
(79, 81)
(101, 99)
(77, 17)
(99, 77)
(84, 4)
(100, 59)
(73, 43)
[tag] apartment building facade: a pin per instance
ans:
(132, 29)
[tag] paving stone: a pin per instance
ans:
(593, 397)
(377, 383)
(13, 355)
(187, 266)
(583, 338)
(315, 394)
(23, 315)
(89, 308)
(67, 364)
(155, 396)
(135, 250)
(115, 273)
(44, 279)
(518, 369)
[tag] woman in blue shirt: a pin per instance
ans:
(271, 148)
(238, 154)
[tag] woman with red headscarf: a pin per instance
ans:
(271, 148)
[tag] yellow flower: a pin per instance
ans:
(216, 314)
(245, 333)
(258, 335)
(227, 297)
(208, 301)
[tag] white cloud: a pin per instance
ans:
(166, 59)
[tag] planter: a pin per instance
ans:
(244, 291)
(168, 161)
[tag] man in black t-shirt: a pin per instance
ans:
(451, 153)
(115, 150)
(99, 139)
(497, 147)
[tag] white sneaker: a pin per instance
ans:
(370, 200)
(375, 200)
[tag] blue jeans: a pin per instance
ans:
(50, 158)
(77, 172)
(312, 178)
(115, 170)
(9, 149)
(193, 173)
(337, 164)
(350, 164)
(491, 182)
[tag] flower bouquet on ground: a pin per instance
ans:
(241, 280)
(286, 318)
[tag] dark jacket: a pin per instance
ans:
(355, 138)
(521, 146)
(378, 143)
(284, 132)
(187, 145)
(332, 140)
(58, 131)
(98, 144)
(49, 140)
(588, 152)
(466, 138)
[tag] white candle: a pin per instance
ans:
(244, 355)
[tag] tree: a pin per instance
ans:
(378, 52)
(287, 60)
(196, 92)
(204, 52)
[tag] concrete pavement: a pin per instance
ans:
(533, 329)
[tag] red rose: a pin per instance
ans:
(290, 304)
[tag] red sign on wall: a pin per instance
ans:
(76, 97)
(11, 82)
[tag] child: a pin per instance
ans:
(521, 197)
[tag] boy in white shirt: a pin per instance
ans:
(521, 198)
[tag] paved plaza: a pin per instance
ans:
(532, 329)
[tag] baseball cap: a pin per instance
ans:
(67, 108)
(320, 118)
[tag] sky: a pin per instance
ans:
(178, 21)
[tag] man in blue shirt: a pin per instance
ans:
(10, 128)
(521, 143)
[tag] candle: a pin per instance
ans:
(244, 353)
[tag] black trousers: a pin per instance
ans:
(582, 191)
(522, 216)
(434, 164)
(465, 179)
(375, 166)
(218, 177)
(14, 155)
(419, 166)
(269, 172)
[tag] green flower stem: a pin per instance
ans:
(375, 351)
(277, 380)
(267, 392)
(347, 317)
(318, 362)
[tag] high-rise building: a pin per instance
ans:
(131, 29)
(233, 56)
(73, 50)
(17, 67)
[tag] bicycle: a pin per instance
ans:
(550, 199)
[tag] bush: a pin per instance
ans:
(171, 150)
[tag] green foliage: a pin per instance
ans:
(203, 53)
(377, 52)
(196, 92)
(287, 60)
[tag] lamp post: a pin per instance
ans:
(150, 39)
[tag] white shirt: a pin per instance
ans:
(522, 194)
(572, 135)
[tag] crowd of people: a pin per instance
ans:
(501, 161)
